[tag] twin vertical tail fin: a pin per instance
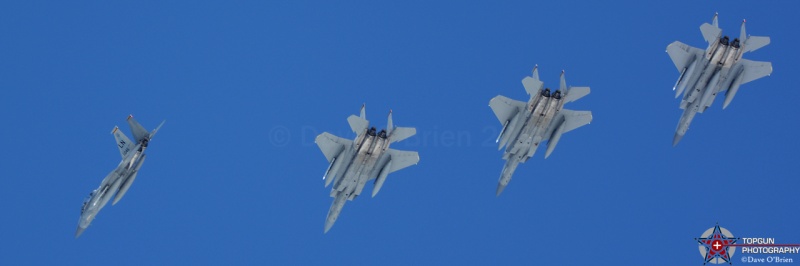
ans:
(711, 32)
(398, 133)
(123, 143)
(572, 93)
(743, 32)
(389, 124)
(359, 123)
(714, 20)
(752, 43)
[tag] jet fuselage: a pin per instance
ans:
(535, 126)
(115, 183)
(542, 118)
(366, 160)
(720, 61)
(126, 169)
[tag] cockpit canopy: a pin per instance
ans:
(86, 200)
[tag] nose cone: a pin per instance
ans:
(328, 225)
(79, 231)
(676, 139)
(500, 188)
(86, 219)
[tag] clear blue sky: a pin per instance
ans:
(234, 177)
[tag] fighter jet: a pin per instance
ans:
(118, 181)
(526, 125)
(720, 68)
(354, 162)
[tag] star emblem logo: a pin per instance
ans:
(715, 245)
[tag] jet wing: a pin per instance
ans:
(682, 54)
(504, 108)
(754, 70)
(575, 119)
(402, 159)
(331, 145)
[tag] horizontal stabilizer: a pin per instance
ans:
(401, 133)
(402, 159)
(751, 43)
(331, 145)
(755, 42)
(710, 32)
(532, 86)
(575, 93)
(504, 108)
(357, 124)
(575, 119)
(139, 133)
(153, 133)
(754, 70)
(123, 143)
(398, 133)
